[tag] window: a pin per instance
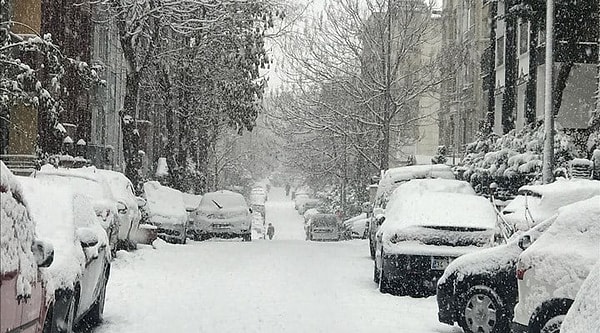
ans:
(523, 37)
(500, 51)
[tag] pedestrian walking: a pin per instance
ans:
(287, 190)
(270, 231)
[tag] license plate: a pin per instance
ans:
(440, 264)
(221, 226)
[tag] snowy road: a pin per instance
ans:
(284, 285)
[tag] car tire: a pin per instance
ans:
(95, 315)
(484, 300)
(544, 319)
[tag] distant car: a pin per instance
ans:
(394, 177)
(165, 209)
(309, 213)
(222, 214)
(420, 238)
(584, 314)
(258, 196)
(479, 290)
(24, 300)
(81, 267)
(90, 182)
(307, 204)
(299, 199)
(128, 208)
(323, 227)
(551, 271)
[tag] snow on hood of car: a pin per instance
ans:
(564, 255)
(58, 212)
(438, 209)
(164, 204)
(584, 314)
(544, 201)
(17, 232)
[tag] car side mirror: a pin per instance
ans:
(525, 242)
(141, 202)
(121, 207)
(87, 237)
(43, 253)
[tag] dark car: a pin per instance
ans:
(322, 227)
(479, 290)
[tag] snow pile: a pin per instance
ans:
(584, 314)
(536, 203)
(17, 233)
(564, 255)
(58, 213)
(164, 204)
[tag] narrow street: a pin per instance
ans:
(284, 285)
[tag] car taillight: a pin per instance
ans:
(521, 269)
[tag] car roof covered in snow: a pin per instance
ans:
(59, 212)
(17, 231)
(164, 204)
(442, 209)
(82, 180)
(539, 202)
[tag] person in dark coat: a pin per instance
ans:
(270, 231)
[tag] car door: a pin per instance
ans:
(10, 308)
(32, 309)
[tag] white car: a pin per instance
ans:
(584, 314)
(551, 271)
(166, 211)
(424, 231)
(88, 181)
(222, 214)
(129, 208)
(81, 268)
(357, 225)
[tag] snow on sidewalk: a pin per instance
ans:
(284, 285)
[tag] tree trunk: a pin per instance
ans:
(531, 90)
(491, 107)
(510, 65)
(131, 136)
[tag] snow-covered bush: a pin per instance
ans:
(513, 160)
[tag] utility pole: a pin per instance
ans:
(548, 165)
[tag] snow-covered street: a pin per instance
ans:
(284, 285)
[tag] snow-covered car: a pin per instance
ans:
(479, 290)
(165, 209)
(222, 214)
(90, 182)
(299, 198)
(358, 225)
(323, 227)
(258, 196)
(424, 233)
(584, 314)
(394, 177)
(128, 205)
(551, 271)
(81, 267)
(24, 299)
(307, 204)
(308, 214)
(258, 226)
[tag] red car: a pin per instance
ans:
(23, 299)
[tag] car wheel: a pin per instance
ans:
(375, 272)
(549, 318)
(96, 313)
(482, 310)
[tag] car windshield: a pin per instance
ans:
(300, 165)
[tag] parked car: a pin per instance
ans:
(323, 227)
(165, 209)
(479, 290)
(81, 267)
(299, 199)
(424, 233)
(357, 225)
(584, 314)
(128, 208)
(391, 179)
(24, 300)
(308, 214)
(551, 271)
(258, 196)
(90, 182)
(307, 204)
(222, 214)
